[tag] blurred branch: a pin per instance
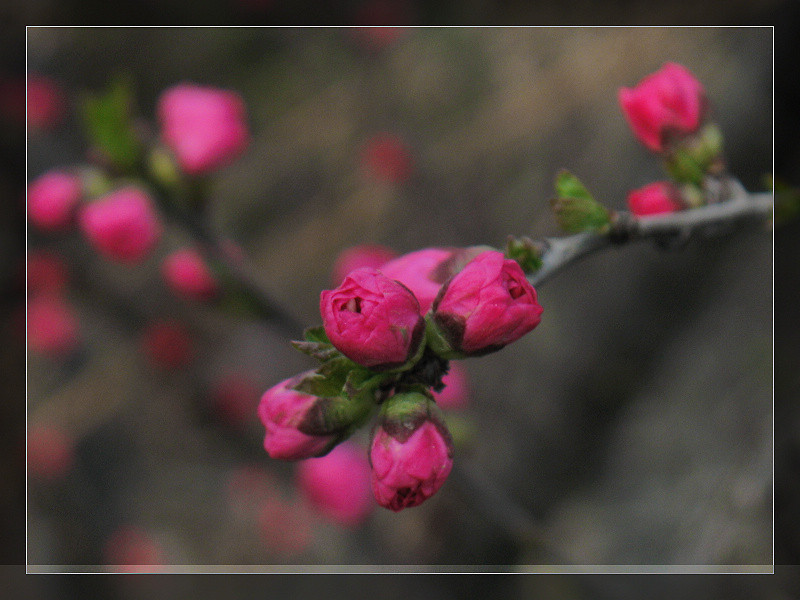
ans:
(239, 269)
(666, 230)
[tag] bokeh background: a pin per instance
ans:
(633, 427)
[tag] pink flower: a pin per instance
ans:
(387, 158)
(234, 397)
(46, 103)
(419, 271)
(52, 326)
(130, 548)
(486, 306)
(666, 105)
(123, 225)
(167, 344)
(288, 417)
(204, 126)
(411, 453)
(51, 452)
(46, 273)
(338, 484)
(365, 255)
(373, 320)
(186, 273)
(284, 527)
(424, 271)
(656, 198)
(52, 200)
(456, 393)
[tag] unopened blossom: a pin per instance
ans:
(46, 102)
(133, 549)
(372, 319)
(486, 306)
(51, 451)
(665, 106)
(288, 417)
(46, 273)
(411, 452)
(186, 272)
(356, 257)
(52, 200)
(123, 225)
(658, 198)
(205, 127)
(338, 484)
(424, 271)
(167, 344)
(387, 158)
(53, 328)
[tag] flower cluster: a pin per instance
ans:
(668, 112)
(386, 340)
(116, 203)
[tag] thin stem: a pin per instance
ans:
(712, 219)
(241, 272)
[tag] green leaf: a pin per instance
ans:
(319, 384)
(569, 186)
(575, 208)
(525, 252)
(360, 380)
(316, 334)
(317, 345)
(107, 118)
(683, 167)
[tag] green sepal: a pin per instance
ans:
(575, 208)
(109, 127)
(525, 251)
(336, 416)
(684, 168)
(324, 383)
(437, 341)
(697, 156)
(316, 344)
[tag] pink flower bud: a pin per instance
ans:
(123, 225)
(456, 393)
(486, 306)
(338, 484)
(205, 127)
(187, 274)
(52, 200)
(167, 345)
(365, 255)
(373, 320)
(234, 397)
(46, 273)
(665, 106)
(289, 417)
(52, 326)
(131, 549)
(656, 198)
(387, 158)
(419, 271)
(285, 527)
(46, 103)
(411, 452)
(51, 452)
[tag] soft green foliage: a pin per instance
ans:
(107, 119)
(575, 208)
